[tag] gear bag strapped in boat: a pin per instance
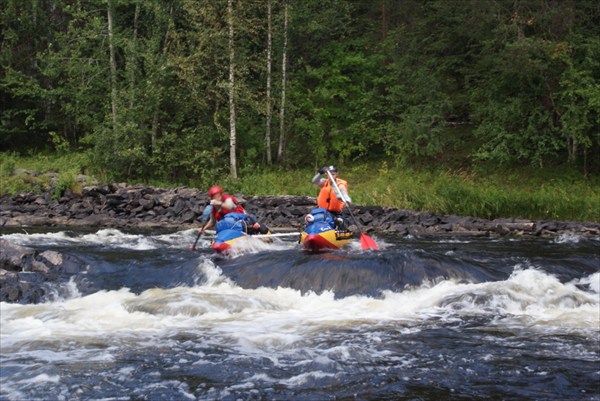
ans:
(320, 215)
(234, 221)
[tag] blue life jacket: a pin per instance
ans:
(233, 221)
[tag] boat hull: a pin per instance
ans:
(327, 239)
(320, 232)
(226, 239)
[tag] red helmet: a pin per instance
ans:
(215, 190)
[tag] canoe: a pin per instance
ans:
(320, 232)
(232, 228)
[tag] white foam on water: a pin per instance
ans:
(591, 281)
(281, 325)
(63, 290)
(454, 241)
(118, 239)
(277, 318)
(57, 238)
(529, 299)
(42, 378)
(303, 378)
(16, 389)
(251, 245)
(112, 237)
(541, 299)
(567, 238)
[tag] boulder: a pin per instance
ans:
(24, 272)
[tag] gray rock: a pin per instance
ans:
(13, 257)
(52, 257)
(24, 272)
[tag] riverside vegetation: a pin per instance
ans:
(485, 192)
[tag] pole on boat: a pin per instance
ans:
(366, 242)
(275, 235)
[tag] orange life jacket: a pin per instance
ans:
(327, 198)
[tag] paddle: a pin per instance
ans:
(193, 248)
(203, 219)
(366, 242)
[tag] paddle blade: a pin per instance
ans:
(367, 242)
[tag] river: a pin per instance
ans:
(431, 318)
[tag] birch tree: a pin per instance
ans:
(281, 149)
(232, 128)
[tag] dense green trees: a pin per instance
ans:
(146, 85)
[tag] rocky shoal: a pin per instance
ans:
(137, 206)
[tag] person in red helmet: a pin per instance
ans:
(222, 204)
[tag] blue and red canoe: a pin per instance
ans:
(320, 232)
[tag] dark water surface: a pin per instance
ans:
(422, 319)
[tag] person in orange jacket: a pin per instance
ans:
(329, 198)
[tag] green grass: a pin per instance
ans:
(553, 194)
(520, 194)
(523, 193)
(66, 167)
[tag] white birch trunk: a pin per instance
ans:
(281, 149)
(232, 131)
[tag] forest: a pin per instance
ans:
(181, 89)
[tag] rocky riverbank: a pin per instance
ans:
(135, 206)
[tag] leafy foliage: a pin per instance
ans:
(368, 80)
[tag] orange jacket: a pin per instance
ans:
(327, 198)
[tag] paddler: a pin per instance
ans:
(220, 205)
(329, 198)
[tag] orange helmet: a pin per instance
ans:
(215, 190)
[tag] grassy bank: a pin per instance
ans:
(559, 194)
(523, 193)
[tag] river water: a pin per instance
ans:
(422, 319)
